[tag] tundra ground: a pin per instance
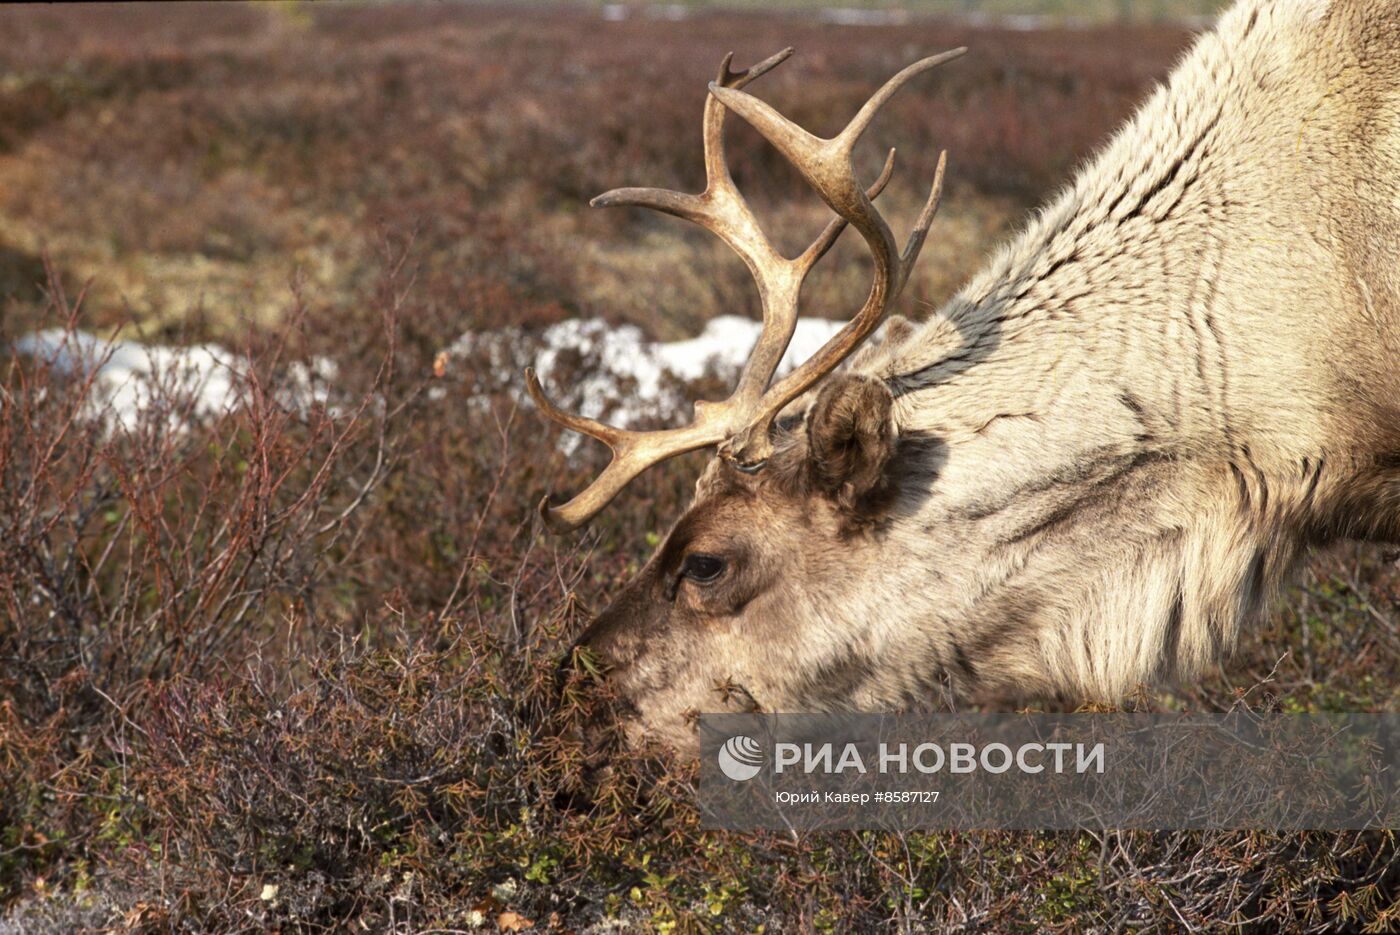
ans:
(292, 667)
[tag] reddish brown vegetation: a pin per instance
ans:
(295, 668)
(183, 155)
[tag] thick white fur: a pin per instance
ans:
(1184, 372)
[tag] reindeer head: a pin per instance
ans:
(742, 605)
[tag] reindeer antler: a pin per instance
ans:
(741, 423)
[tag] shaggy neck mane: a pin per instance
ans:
(1125, 473)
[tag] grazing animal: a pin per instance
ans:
(1094, 465)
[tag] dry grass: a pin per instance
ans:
(295, 669)
(190, 162)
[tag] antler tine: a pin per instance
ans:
(826, 165)
(915, 243)
(720, 208)
(712, 124)
(737, 79)
(606, 434)
(862, 119)
(690, 207)
(632, 452)
(694, 207)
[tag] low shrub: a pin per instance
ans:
(295, 666)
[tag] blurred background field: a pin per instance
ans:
(188, 161)
(292, 666)
(1022, 13)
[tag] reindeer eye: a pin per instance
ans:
(702, 569)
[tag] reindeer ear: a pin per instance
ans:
(850, 439)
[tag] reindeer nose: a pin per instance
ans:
(595, 640)
(604, 710)
(610, 639)
(614, 638)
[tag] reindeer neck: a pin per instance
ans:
(1129, 420)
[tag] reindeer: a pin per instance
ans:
(1092, 467)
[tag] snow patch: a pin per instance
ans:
(132, 381)
(636, 378)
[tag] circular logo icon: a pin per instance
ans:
(741, 758)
